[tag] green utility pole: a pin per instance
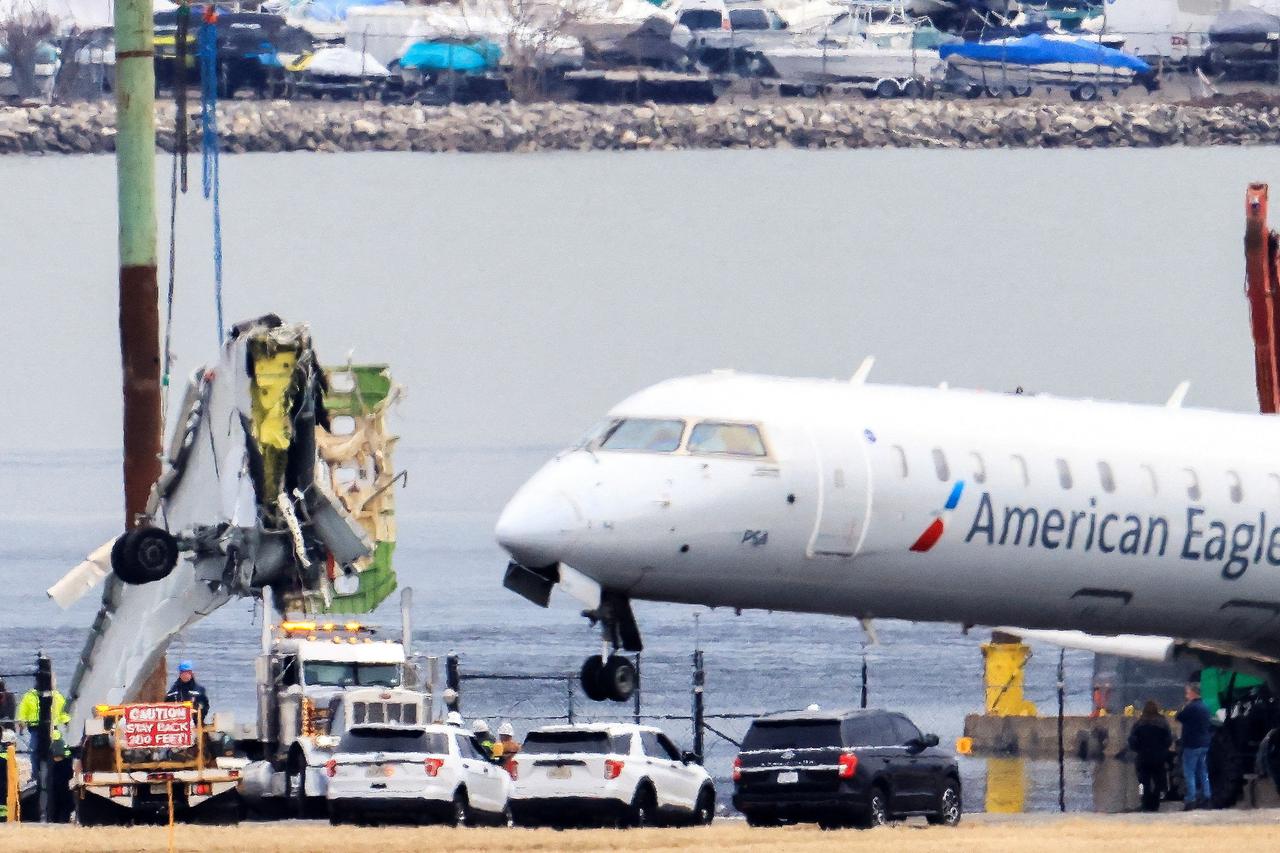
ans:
(139, 293)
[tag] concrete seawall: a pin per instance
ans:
(335, 126)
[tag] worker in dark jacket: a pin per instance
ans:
(187, 689)
(1149, 740)
(1196, 734)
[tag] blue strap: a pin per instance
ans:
(207, 47)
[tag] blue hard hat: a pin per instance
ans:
(186, 666)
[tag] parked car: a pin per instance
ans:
(433, 773)
(625, 775)
(730, 35)
(843, 768)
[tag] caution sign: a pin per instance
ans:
(159, 726)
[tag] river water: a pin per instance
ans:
(518, 296)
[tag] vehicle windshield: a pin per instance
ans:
(792, 734)
(567, 743)
(345, 674)
(701, 19)
(729, 439)
(394, 740)
(748, 19)
(652, 434)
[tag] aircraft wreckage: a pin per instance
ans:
(278, 475)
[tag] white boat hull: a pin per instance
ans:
(1062, 74)
(853, 64)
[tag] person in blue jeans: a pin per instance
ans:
(1196, 734)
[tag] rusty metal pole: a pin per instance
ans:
(1260, 288)
(139, 292)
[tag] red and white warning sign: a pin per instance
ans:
(159, 726)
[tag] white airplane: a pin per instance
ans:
(1156, 526)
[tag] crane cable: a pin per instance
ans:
(207, 49)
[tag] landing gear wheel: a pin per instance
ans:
(592, 678)
(949, 808)
(144, 555)
(461, 810)
(619, 678)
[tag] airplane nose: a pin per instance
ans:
(538, 527)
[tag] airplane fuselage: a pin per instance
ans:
(923, 503)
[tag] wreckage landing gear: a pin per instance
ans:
(144, 555)
(609, 675)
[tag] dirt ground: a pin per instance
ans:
(1201, 832)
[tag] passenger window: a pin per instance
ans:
(668, 747)
(643, 434)
(940, 464)
(1020, 465)
(901, 456)
(649, 744)
(410, 716)
(358, 713)
(467, 748)
(393, 712)
(621, 744)
(906, 730)
(1237, 489)
(979, 468)
(1106, 477)
(1152, 483)
(376, 710)
(1064, 474)
(730, 439)
(1193, 484)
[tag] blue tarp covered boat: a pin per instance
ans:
(1018, 64)
(471, 58)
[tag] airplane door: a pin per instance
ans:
(843, 470)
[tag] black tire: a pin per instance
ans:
(1085, 92)
(619, 678)
(830, 823)
(644, 806)
(1227, 766)
(92, 811)
(888, 89)
(296, 787)
(704, 810)
(913, 89)
(592, 678)
(876, 812)
(950, 807)
(462, 816)
(508, 818)
(144, 555)
(755, 819)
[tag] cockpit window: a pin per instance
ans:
(659, 436)
(732, 439)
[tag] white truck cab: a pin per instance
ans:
(624, 774)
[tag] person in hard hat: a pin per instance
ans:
(507, 746)
(187, 689)
(453, 718)
(29, 721)
(1149, 741)
(483, 738)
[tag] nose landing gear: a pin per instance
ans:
(609, 675)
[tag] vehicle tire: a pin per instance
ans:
(461, 816)
(144, 555)
(1024, 92)
(91, 812)
(913, 89)
(810, 90)
(592, 678)
(508, 818)
(832, 822)
(644, 806)
(704, 811)
(1226, 770)
(876, 812)
(296, 787)
(619, 678)
(1085, 92)
(949, 805)
(888, 89)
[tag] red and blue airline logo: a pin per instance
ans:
(933, 532)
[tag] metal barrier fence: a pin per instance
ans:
(32, 741)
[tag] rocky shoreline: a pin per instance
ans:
(88, 128)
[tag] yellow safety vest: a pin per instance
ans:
(29, 708)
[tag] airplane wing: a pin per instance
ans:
(1256, 660)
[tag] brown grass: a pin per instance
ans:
(1165, 833)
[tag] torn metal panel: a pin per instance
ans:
(256, 492)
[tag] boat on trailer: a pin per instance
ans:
(1017, 65)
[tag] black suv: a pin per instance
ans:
(843, 768)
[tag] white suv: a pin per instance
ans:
(422, 774)
(627, 775)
